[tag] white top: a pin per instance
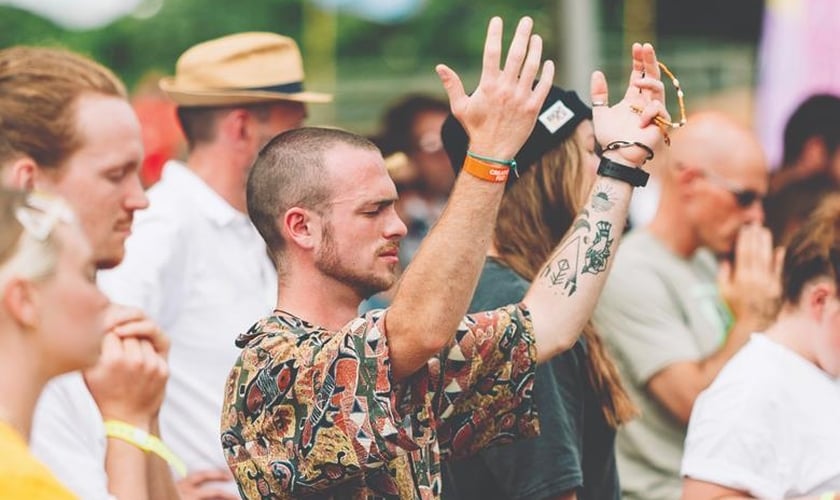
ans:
(69, 437)
(199, 268)
(767, 425)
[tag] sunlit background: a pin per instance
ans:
(755, 59)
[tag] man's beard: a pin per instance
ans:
(329, 262)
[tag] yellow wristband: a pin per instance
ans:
(145, 441)
(828, 495)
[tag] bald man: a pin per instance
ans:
(673, 315)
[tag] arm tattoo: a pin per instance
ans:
(599, 252)
(603, 199)
(564, 272)
(564, 267)
(560, 275)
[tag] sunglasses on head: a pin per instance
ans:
(743, 197)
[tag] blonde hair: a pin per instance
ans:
(814, 250)
(39, 88)
(535, 214)
(29, 247)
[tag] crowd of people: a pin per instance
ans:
(452, 308)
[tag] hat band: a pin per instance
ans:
(286, 88)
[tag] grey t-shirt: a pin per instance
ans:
(657, 309)
(576, 446)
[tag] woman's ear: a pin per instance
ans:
(20, 299)
(817, 297)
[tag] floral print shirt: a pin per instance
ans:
(313, 412)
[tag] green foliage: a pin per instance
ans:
(444, 30)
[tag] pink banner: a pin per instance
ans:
(799, 56)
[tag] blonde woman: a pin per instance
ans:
(578, 393)
(51, 322)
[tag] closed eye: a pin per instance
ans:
(377, 208)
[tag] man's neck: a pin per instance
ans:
(222, 172)
(670, 228)
(318, 299)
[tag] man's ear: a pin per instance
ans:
(234, 126)
(301, 227)
(20, 301)
(22, 174)
(685, 178)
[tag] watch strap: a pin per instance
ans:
(634, 176)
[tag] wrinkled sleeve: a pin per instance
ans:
(479, 389)
(307, 413)
(733, 440)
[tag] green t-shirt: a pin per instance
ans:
(656, 309)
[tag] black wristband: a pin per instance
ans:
(634, 176)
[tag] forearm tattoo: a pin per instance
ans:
(585, 249)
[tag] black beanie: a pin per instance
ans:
(559, 116)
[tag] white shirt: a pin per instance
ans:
(69, 437)
(767, 425)
(198, 268)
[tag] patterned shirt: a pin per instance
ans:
(310, 411)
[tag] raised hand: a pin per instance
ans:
(501, 113)
(631, 119)
(752, 284)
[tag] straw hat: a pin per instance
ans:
(240, 69)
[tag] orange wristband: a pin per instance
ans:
(486, 170)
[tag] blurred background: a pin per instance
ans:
(753, 58)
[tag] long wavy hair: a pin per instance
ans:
(535, 214)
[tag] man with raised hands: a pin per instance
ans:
(327, 403)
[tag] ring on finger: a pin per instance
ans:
(595, 104)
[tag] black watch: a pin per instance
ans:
(634, 176)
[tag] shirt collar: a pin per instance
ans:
(206, 200)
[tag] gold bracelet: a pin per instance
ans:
(145, 441)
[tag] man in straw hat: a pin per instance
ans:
(195, 263)
(325, 403)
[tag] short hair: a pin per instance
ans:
(39, 89)
(289, 172)
(817, 116)
(198, 123)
